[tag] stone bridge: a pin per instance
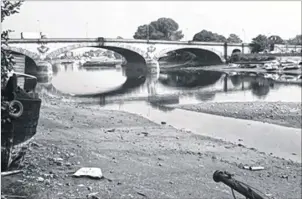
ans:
(136, 52)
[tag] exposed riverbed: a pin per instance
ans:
(139, 158)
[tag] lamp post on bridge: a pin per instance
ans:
(86, 29)
(39, 27)
(244, 36)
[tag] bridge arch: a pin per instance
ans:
(211, 56)
(27, 64)
(132, 54)
(34, 56)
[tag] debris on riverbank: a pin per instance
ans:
(167, 163)
(280, 113)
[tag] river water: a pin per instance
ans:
(150, 96)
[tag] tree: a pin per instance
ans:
(209, 36)
(162, 29)
(233, 38)
(275, 39)
(259, 43)
(296, 40)
(8, 8)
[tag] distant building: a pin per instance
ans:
(286, 48)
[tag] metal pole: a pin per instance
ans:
(39, 27)
(86, 29)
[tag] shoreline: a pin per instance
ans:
(286, 114)
(137, 156)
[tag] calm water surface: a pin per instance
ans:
(183, 86)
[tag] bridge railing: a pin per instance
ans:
(78, 40)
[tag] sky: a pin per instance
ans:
(81, 19)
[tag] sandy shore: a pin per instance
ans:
(138, 158)
(280, 113)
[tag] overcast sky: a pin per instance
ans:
(121, 18)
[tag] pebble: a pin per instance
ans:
(40, 179)
(58, 159)
(145, 133)
(92, 196)
(47, 182)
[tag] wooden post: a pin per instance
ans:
(225, 85)
(8, 136)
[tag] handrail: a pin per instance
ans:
(24, 75)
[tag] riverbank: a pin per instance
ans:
(138, 158)
(281, 113)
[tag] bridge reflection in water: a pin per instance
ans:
(119, 85)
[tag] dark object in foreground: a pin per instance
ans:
(20, 112)
(244, 189)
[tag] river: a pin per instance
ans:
(150, 96)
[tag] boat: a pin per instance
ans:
(22, 105)
(67, 62)
(100, 61)
(232, 65)
(272, 66)
(248, 65)
(290, 64)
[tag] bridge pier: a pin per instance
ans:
(44, 71)
(153, 67)
(138, 69)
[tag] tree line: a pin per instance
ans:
(168, 29)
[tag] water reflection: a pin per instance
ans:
(79, 81)
(118, 84)
(189, 79)
(205, 96)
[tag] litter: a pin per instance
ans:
(89, 172)
(258, 168)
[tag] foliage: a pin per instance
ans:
(162, 29)
(251, 57)
(233, 38)
(178, 56)
(259, 43)
(8, 8)
(7, 60)
(208, 36)
(296, 40)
